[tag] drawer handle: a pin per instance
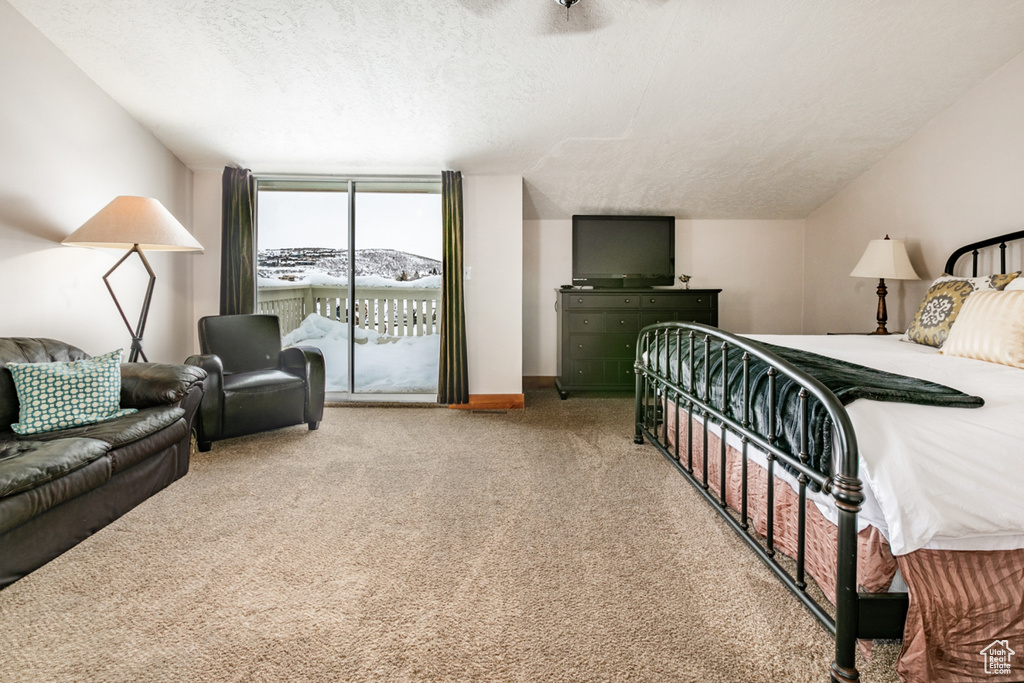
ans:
(581, 346)
(653, 301)
(579, 301)
(700, 301)
(627, 301)
(586, 322)
(622, 322)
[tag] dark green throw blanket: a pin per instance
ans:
(847, 381)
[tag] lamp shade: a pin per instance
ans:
(886, 259)
(127, 221)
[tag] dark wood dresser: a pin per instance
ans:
(597, 331)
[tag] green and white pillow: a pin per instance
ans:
(61, 395)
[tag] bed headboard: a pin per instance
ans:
(973, 248)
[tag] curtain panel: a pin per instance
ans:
(453, 375)
(238, 242)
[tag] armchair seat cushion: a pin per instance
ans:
(261, 380)
(263, 406)
(28, 464)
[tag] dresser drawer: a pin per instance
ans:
(602, 346)
(589, 300)
(678, 300)
(586, 323)
(604, 322)
(606, 373)
(625, 373)
(694, 316)
(587, 372)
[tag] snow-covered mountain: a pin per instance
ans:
(296, 263)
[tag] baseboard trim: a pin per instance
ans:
(538, 382)
(491, 402)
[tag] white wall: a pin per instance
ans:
(493, 236)
(957, 180)
(758, 265)
(206, 198)
(67, 150)
(493, 207)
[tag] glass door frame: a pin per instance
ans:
(336, 183)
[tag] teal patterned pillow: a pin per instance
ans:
(61, 395)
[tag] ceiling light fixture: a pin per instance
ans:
(567, 4)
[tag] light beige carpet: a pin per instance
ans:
(419, 545)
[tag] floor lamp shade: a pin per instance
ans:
(134, 223)
(885, 259)
(130, 221)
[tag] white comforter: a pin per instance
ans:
(943, 478)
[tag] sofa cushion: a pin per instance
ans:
(27, 464)
(120, 431)
(20, 508)
(60, 395)
(129, 455)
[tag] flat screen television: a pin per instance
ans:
(623, 251)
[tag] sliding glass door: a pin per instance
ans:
(315, 237)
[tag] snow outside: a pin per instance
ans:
(384, 363)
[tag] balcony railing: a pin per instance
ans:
(391, 311)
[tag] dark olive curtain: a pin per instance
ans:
(453, 379)
(238, 243)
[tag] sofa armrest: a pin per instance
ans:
(145, 385)
(210, 423)
(307, 362)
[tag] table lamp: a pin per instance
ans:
(885, 259)
(135, 223)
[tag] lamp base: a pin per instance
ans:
(136, 348)
(882, 313)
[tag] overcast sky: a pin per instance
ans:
(406, 222)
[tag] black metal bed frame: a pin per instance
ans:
(858, 614)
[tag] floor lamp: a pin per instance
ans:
(135, 223)
(885, 259)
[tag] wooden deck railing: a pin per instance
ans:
(393, 311)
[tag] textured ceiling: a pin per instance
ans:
(697, 108)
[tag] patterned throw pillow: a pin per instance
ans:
(60, 395)
(942, 303)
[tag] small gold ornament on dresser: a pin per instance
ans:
(685, 279)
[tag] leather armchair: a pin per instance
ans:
(252, 384)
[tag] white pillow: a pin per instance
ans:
(990, 327)
(1016, 285)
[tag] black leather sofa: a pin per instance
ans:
(58, 488)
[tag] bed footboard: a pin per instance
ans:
(674, 372)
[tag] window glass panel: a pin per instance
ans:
(398, 288)
(302, 264)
